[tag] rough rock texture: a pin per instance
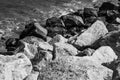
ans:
(58, 38)
(30, 50)
(45, 46)
(104, 54)
(64, 49)
(74, 68)
(112, 39)
(33, 76)
(15, 67)
(91, 35)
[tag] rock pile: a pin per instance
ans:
(83, 45)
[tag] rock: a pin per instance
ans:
(42, 55)
(34, 29)
(90, 15)
(73, 68)
(54, 22)
(91, 35)
(86, 52)
(71, 21)
(104, 54)
(14, 44)
(16, 67)
(40, 30)
(88, 12)
(30, 50)
(45, 46)
(64, 49)
(112, 27)
(53, 31)
(33, 76)
(58, 38)
(107, 6)
(112, 39)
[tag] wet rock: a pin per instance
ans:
(33, 76)
(14, 44)
(104, 54)
(112, 39)
(58, 38)
(34, 29)
(16, 67)
(64, 49)
(91, 35)
(73, 68)
(30, 50)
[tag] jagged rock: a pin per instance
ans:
(112, 39)
(91, 35)
(90, 15)
(64, 49)
(104, 54)
(58, 38)
(86, 52)
(42, 55)
(30, 50)
(73, 68)
(34, 29)
(45, 46)
(33, 76)
(14, 44)
(107, 6)
(72, 21)
(16, 67)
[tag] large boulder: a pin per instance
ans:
(91, 35)
(64, 49)
(16, 67)
(104, 54)
(73, 68)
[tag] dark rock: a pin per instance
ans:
(14, 44)
(53, 31)
(34, 29)
(71, 21)
(54, 22)
(90, 16)
(108, 6)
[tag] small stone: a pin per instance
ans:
(58, 38)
